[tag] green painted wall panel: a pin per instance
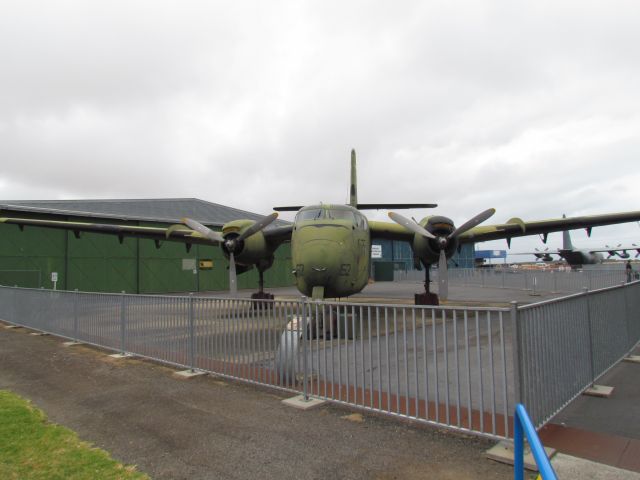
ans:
(28, 257)
(161, 269)
(217, 278)
(100, 263)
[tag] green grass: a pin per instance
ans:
(32, 448)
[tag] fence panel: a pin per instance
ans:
(535, 280)
(443, 365)
(566, 344)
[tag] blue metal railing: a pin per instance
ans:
(522, 425)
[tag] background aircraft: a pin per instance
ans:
(331, 244)
(581, 256)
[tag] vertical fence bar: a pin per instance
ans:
(516, 351)
(587, 299)
(192, 335)
(75, 315)
(122, 322)
(304, 348)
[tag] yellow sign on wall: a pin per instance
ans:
(206, 264)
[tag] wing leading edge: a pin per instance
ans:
(515, 227)
(519, 228)
(175, 233)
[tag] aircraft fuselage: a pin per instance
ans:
(580, 257)
(331, 250)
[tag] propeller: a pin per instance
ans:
(205, 231)
(442, 242)
(414, 226)
(230, 244)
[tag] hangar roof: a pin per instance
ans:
(169, 210)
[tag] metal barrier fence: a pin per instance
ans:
(459, 367)
(535, 280)
(443, 365)
(566, 344)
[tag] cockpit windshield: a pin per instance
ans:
(326, 213)
(337, 214)
(313, 214)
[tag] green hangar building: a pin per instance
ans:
(37, 256)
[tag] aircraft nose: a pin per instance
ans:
(319, 260)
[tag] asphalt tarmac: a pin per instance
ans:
(403, 291)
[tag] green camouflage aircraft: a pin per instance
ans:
(331, 244)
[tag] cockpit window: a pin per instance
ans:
(313, 214)
(336, 214)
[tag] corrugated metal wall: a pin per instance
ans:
(100, 263)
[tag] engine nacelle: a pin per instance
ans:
(252, 250)
(428, 250)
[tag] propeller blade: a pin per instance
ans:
(409, 225)
(443, 276)
(233, 279)
(259, 225)
(205, 231)
(469, 224)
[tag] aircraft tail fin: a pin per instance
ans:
(566, 238)
(353, 191)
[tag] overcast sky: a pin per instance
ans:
(529, 107)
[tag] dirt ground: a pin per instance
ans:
(206, 428)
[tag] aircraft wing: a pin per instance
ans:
(516, 227)
(390, 231)
(175, 233)
(615, 249)
(540, 254)
(178, 233)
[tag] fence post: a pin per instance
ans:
(518, 446)
(517, 370)
(192, 349)
(591, 366)
(304, 349)
(75, 315)
(122, 322)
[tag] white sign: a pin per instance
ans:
(376, 251)
(54, 276)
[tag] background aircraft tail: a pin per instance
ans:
(566, 238)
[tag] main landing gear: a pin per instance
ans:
(426, 298)
(261, 294)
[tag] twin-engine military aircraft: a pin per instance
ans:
(331, 244)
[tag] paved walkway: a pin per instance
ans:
(207, 428)
(604, 430)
